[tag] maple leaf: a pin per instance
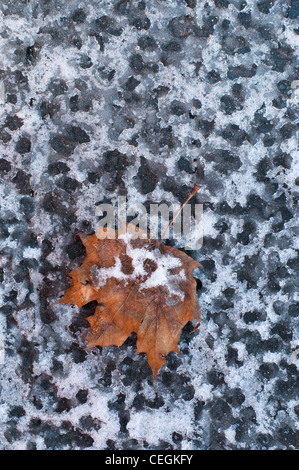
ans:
(140, 285)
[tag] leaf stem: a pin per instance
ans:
(195, 189)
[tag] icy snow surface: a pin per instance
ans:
(142, 99)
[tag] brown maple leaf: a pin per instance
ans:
(140, 285)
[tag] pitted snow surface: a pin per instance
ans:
(141, 99)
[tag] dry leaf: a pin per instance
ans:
(140, 285)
